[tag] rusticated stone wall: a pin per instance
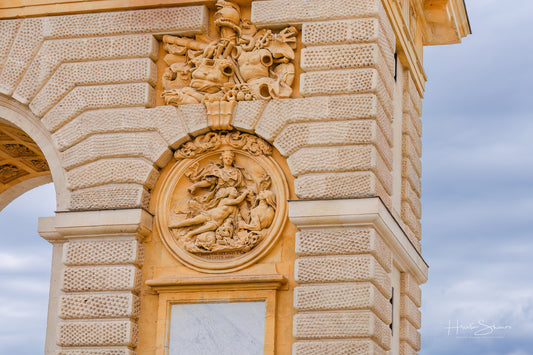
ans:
(88, 81)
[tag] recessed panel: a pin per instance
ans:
(217, 328)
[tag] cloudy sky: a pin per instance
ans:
(477, 186)
(477, 200)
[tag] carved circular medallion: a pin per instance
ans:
(223, 204)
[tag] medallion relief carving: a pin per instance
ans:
(243, 64)
(224, 202)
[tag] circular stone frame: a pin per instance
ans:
(202, 264)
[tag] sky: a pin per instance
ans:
(477, 201)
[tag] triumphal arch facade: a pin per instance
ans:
(232, 176)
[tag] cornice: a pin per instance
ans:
(407, 52)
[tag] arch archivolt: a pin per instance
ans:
(31, 151)
(90, 83)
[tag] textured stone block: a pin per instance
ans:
(408, 129)
(410, 311)
(361, 30)
(102, 333)
(195, 117)
(343, 324)
(247, 114)
(409, 173)
(349, 56)
(105, 252)
(27, 40)
(299, 135)
(353, 268)
(409, 334)
(110, 196)
(340, 185)
(410, 287)
(147, 145)
(113, 171)
(83, 98)
(283, 12)
(351, 347)
(341, 159)
(409, 152)
(101, 278)
(53, 52)
(8, 29)
(409, 195)
(417, 122)
(412, 92)
(279, 113)
(70, 75)
(348, 296)
(350, 81)
(411, 220)
(99, 351)
(343, 241)
(407, 349)
(413, 238)
(166, 120)
(32, 32)
(91, 306)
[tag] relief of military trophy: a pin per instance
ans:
(244, 64)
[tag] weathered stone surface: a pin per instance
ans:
(344, 241)
(342, 324)
(353, 268)
(102, 333)
(342, 296)
(352, 347)
(83, 98)
(54, 52)
(100, 306)
(70, 75)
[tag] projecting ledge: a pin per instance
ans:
(87, 224)
(345, 213)
(219, 282)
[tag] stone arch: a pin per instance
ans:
(15, 114)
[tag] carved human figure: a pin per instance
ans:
(242, 64)
(216, 176)
(213, 218)
(262, 215)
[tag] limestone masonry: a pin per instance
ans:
(208, 152)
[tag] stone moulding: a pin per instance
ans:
(223, 203)
(227, 283)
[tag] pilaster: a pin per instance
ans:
(96, 279)
(347, 249)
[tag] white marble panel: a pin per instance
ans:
(217, 328)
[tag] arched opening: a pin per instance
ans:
(29, 162)
(28, 157)
(25, 261)
(22, 164)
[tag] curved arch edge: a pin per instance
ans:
(17, 114)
